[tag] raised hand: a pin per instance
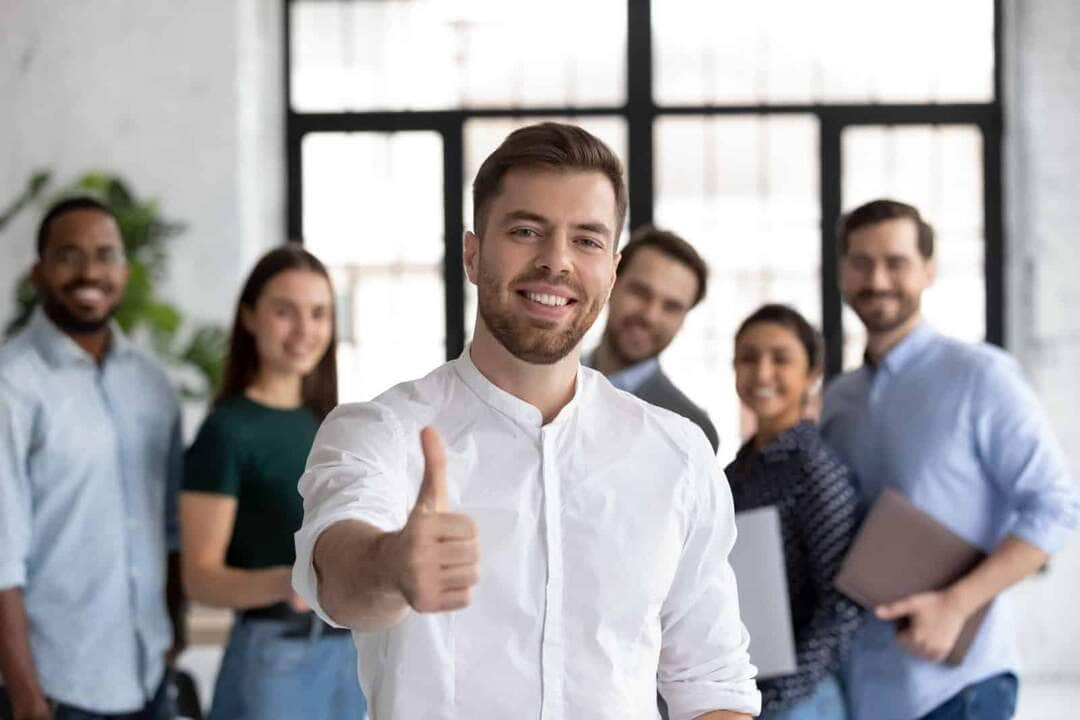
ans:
(436, 555)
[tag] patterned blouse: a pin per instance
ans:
(815, 496)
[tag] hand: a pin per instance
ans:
(434, 559)
(297, 602)
(178, 647)
(933, 624)
(35, 707)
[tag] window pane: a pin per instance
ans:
(483, 135)
(833, 51)
(938, 169)
(744, 191)
(373, 212)
(430, 55)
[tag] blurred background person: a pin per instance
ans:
(955, 428)
(90, 453)
(660, 278)
(778, 366)
(240, 506)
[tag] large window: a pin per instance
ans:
(746, 135)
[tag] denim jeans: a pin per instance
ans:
(826, 703)
(990, 699)
(160, 707)
(269, 674)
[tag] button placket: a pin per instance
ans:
(552, 664)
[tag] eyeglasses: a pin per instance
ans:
(73, 259)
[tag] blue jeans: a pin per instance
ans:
(990, 699)
(160, 707)
(269, 674)
(826, 703)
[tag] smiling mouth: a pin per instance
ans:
(88, 294)
(547, 299)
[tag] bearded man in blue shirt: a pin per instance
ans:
(90, 463)
(956, 429)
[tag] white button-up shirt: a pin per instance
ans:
(604, 538)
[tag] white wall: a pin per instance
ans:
(1042, 194)
(183, 100)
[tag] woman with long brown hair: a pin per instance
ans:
(240, 506)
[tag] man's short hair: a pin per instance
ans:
(63, 207)
(548, 145)
(881, 210)
(671, 245)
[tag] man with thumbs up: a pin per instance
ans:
(511, 536)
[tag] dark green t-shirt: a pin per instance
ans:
(256, 454)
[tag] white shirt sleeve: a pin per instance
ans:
(356, 471)
(704, 662)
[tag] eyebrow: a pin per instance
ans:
(594, 227)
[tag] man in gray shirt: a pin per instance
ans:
(90, 454)
(660, 278)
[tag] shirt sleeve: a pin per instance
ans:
(704, 658)
(213, 462)
(1017, 450)
(356, 471)
(16, 426)
(827, 518)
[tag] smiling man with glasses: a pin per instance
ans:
(90, 451)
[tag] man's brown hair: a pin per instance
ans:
(548, 145)
(881, 210)
(672, 245)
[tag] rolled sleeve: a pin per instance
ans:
(704, 659)
(1019, 452)
(355, 472)
(15, 505)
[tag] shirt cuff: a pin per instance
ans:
(12, 574)
(687, 701)
(1047, 535)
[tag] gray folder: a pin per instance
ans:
(901, 550)
(758, 562)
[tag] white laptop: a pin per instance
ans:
(758, 562)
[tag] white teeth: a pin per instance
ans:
(89, 294)
(545, 299)
(764, 393)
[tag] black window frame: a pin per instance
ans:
(640, 113)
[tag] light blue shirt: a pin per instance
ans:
(957, 430)
(632, 377)
(90, 463)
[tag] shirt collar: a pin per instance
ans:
(59, 349)
(633, 377)
(909, 347)
(782, 445)
(522, 413)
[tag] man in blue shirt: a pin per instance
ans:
(90, 453)
(660, 279)
(956, 429)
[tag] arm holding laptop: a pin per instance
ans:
(1019, 455)
(935, 619)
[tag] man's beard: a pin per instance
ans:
(531, 339)
(70, 323)
(878, 322)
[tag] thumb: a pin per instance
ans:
(895, 610)
(432, 496)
